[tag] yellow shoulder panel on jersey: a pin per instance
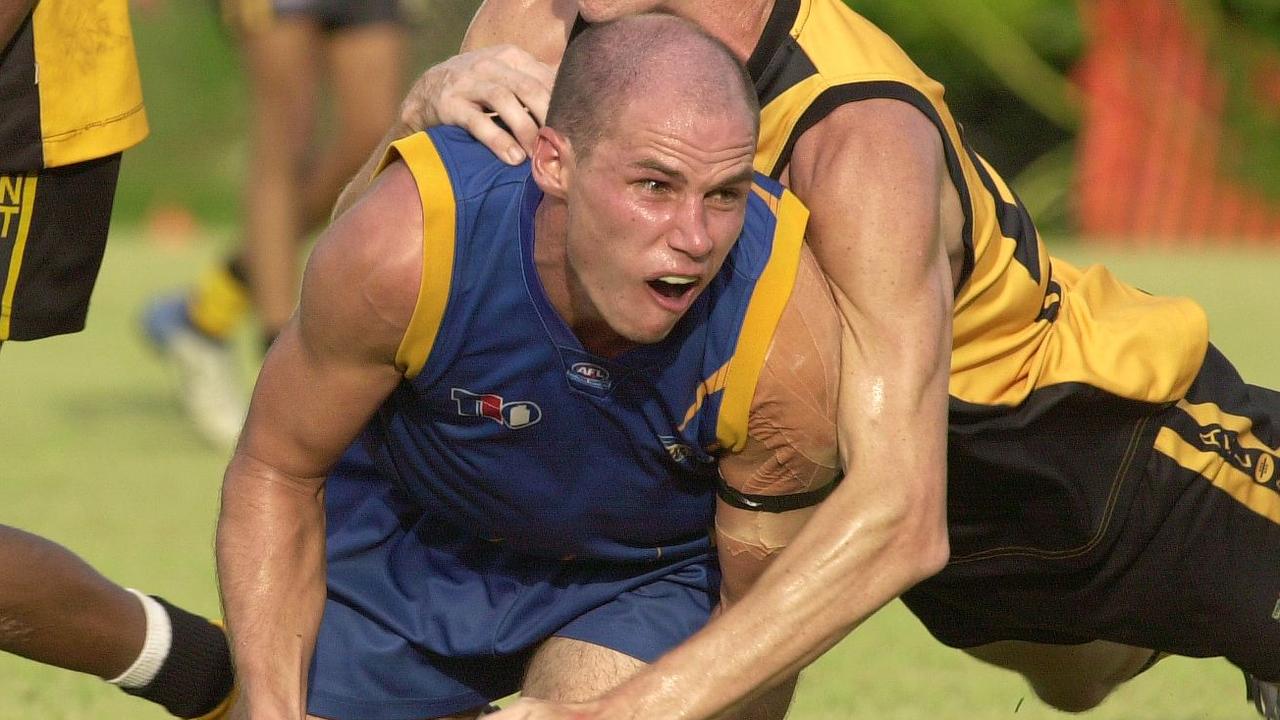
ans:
(439, 225)
(837, 48)
(86, 114)
(770, 296)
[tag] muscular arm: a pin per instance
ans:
(872, 174)
(883, 529)
(12, 13)
(331, 367)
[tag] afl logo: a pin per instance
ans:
(591, 375)
(1265, 469)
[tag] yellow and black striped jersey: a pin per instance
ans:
(69, 86)
(1023, 321)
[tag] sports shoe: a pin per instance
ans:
(1265, 696)
(207, 380)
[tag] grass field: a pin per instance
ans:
(96, 456)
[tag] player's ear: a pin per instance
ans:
(552, 162)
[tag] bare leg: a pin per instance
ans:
(284, 85)
(565, 670)
(285, 197)
(366, 71)
(57, 610)
(1072, 678)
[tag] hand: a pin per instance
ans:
(533, 709)
(469, 89)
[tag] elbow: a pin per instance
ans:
(923, 544)
(933, 552)
(931, 539)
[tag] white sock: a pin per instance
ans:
(154, 649)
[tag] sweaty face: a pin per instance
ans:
(652, 212)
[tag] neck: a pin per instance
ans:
(736, 23)
(550, 258)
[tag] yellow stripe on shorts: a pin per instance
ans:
(20, 190)
(1237, 463)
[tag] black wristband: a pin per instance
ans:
(196, 674)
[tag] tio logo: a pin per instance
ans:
(516, 415)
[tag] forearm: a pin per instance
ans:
(270, 551)
(843, 566)
(12, 13)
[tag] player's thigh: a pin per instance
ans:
(1070, 677)
(568, 670)
(367, 72)
(283, 65)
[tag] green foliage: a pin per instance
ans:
(966, 45)
(1005, 65)
(1260, 17)
(1244, 42)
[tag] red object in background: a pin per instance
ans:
(1148, 163)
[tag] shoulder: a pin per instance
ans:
(872, 172)
(364, 274)
(865, 134)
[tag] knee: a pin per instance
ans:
(1073, 697)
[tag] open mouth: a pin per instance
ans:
(673, 286)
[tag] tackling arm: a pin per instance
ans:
(331, 367)
(872, 174)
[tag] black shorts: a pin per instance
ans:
(53, 231)
(1157, 529)
(330, 15)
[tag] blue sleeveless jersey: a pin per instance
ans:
(508, 428)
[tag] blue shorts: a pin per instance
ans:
(423, 619)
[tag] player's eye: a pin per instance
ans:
(727, 196)
(652, 186)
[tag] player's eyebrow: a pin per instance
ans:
(657, 166)
(745, 175)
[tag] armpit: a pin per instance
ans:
(791, 445)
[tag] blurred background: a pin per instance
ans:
(1152, 121)
(1144, 134)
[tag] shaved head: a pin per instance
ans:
(639, 58)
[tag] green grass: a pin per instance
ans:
(97, 457)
